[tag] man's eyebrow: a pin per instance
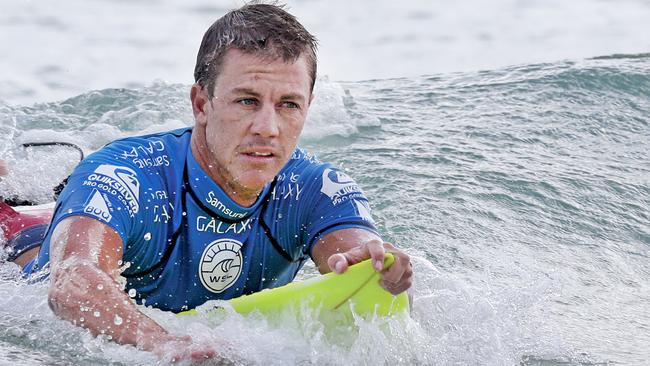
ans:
(251, 92)
(293, 96)
(245, 91)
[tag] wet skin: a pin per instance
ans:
(243, 136)
(248, 130)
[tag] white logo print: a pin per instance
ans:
(214, 201)
(119, 181)
(221, 264)
(337, 185)
(96, 206)
(363, 210)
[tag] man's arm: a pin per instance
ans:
(341, 248)
(85, 258)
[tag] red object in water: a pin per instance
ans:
(12, 222)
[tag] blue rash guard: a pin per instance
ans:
(184, 240)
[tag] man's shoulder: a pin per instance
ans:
(128, 178)
(305, 172)
(302, 159)
(302, 166)
(151, 144)
(155, 150)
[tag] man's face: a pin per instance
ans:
(253, 122)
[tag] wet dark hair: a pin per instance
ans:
(266, 30)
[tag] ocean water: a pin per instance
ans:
(521, 192)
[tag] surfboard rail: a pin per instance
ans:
(356, 290)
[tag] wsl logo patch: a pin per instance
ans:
(221, 264)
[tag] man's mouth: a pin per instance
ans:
(257, 153)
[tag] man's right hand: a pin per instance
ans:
(84, 259)
(173, 349)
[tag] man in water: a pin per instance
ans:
(226, 208)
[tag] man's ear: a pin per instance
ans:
(199, 98)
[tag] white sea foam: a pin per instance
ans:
(329, 114)
(526, 187)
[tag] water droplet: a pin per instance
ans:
(81, 319)
(147, 236)
(96, 314)
(279, 216)
(100, 287)
(117, 320)
(132, 293)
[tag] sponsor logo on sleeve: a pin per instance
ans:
(339, 186)
(221, 264)
(117, 181)
(149, 154)
(362, 209)
(96, 205)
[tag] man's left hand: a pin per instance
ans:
(395, 279)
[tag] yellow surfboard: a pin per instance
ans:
(357, 291)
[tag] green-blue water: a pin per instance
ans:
(522, 193)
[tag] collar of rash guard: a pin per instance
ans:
(212, 197)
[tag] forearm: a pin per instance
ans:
(85, 257)
(88, 297)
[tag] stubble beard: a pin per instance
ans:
(233, 186)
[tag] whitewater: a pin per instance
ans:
(504, 147)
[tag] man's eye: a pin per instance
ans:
(247, 102)
(290, 105)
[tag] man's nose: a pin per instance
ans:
(266, 121)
